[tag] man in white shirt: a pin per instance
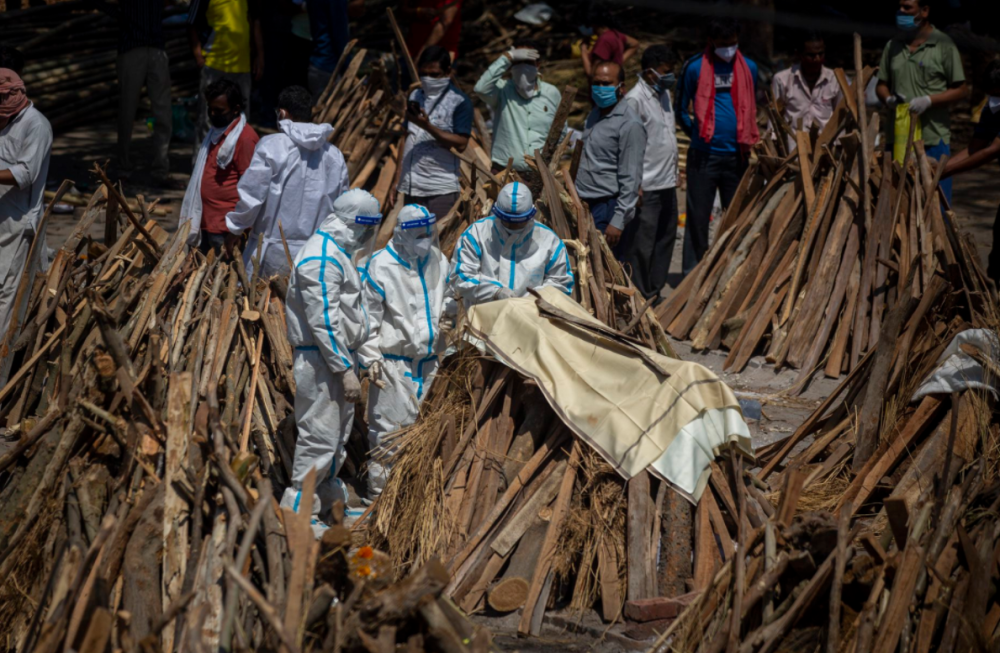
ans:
(647, 242)
(25, 146)
(808, 91)
(292, 181)
(438, 118)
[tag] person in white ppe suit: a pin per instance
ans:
(405, 293)
(293, 180)
(327, 322)
(505, 254)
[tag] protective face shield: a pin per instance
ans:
(994, 103)
(727, 54)
(359, 211)
(525, 78)
(514, 206)
(416, 232)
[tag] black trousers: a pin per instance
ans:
(707, 172)
(647, 242)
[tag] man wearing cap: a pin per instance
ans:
(505, 254)
(326, 324)
(405, 295)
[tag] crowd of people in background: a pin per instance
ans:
(354, 311)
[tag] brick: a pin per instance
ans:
(643, 610)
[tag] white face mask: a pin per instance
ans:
(434, 85)
(525, 78)
(726, 54)
(994, 103)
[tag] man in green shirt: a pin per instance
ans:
(523, 106)
(922, 66)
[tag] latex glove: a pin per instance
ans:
(375, 375)
(920, 104)
(503, 293)
(523, 54)
(352, 387)
(894, 99)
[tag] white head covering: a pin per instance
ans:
(515, 203)
(415, 234)
(359, 211)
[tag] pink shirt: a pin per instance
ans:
(812, 106)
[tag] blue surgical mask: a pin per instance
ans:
(664, 82)
(906, 23)
(604, 96)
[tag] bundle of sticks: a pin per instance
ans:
(815, 245)
(882, 511)
(70, 53)
(150, 408)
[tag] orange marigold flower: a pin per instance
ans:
(364, 571)
(366, 552)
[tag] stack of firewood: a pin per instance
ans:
(815, 246)
(881, 526)
(149, 412)
(70, 52)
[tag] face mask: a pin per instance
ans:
(907, 23)
(726, 54)
(421, 247)
(663, 82)
(221, 121)
(525, 78)
(994, 103)
(434, 85)
(604, 96)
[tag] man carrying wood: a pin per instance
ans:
(504, 255)
(291, 185)
(523, 106)
(649, 239)
(406, 295)
(327, 322)
(25, 146)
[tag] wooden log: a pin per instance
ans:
(641, 581)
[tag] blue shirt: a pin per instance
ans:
(724, 138)
(330, 32)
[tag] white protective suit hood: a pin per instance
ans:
(306, 135)
(355, 218)
(415, 235)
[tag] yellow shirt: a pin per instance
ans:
(228, 49)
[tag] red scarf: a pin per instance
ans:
(13, 98)
(744, 102)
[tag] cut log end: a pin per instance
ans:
(509, 595)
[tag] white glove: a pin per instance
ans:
(503, 293)
(375, 372)
(894, 99)
(523, 54)
(920, 104)
(352, 387)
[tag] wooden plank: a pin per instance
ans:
(541, 581)
(706, 551)
(175, 506)
(558, 121)
(641, 584)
